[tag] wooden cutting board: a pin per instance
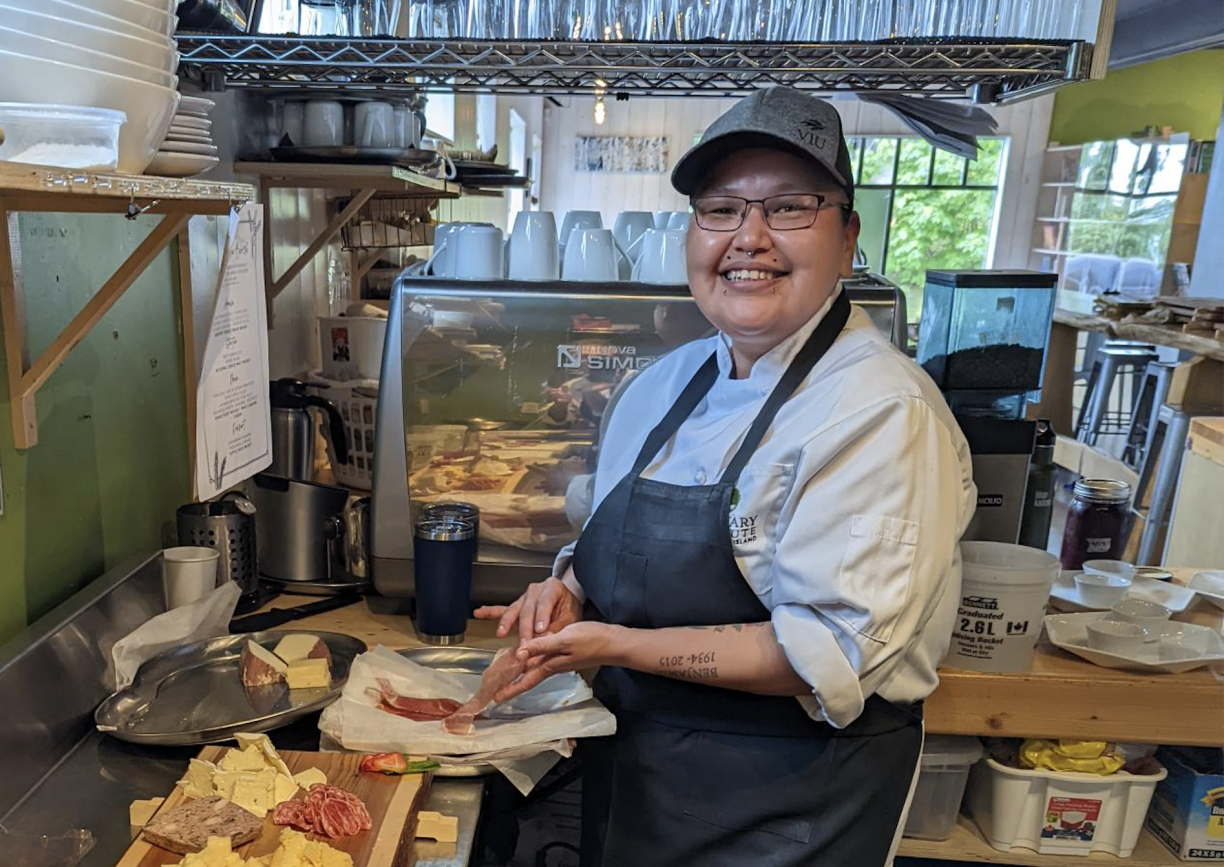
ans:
(394, 803)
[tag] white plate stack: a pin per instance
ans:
(115, 54)
(188, 149)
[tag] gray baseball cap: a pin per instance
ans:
(778, 117)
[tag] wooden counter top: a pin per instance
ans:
(1061, 695)
(1163, 335)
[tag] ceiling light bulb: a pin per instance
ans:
(601, 111)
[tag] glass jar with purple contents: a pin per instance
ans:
(1097, 522)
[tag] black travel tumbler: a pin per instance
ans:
(443, 572)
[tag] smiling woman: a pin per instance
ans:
(772, 237)
(769, 578)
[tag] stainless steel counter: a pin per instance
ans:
(94, 784)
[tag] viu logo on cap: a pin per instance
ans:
(810, 132)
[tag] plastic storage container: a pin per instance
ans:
(1059, 813)
(1004, 590)
(356, 400)
(351, 347)
(986, 330)
(62, 136)
(945, 765)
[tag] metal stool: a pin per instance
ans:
(1168, 440)
(1111, 361)
(1151, 395)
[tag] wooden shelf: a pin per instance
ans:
(1164, 335)
(968, 846)
(42, 189)
(337, 176)
(1057, 184)
(364, 182)
(1045, 252)
(38, 188)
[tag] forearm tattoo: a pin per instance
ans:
(701, 665)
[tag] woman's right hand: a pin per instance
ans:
(547, 607)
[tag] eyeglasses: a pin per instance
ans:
(784, 213)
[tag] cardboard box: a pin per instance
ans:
(1187, 812)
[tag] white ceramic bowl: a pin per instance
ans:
(149, 108)
(1152, 616)
(66, 10)
(1101, 591)
(1119, 568)
(1116, 636)
(156, 18)
(131, 48)
(63, 52)
(1209, 585)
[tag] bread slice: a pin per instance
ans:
(187, 827)
(260, 666)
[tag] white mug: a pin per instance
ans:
(189, 574)
(441, 263)
(532, 247)
(476, 253)
(293, 121)
(662, 258)
(323, 125)
(578, 220)
(591, 256)
(679, 220)
(407, 127)
(374, 125)
(629, 226)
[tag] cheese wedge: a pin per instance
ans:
(249, 759)
(198, 781)
(308, 674)
(264, 743)
(283, 789)
(297, 646)
(140, 812)
(309, 777)
(261, 667)
(252, 796)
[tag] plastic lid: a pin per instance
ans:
(950, 750)
(993, 279)
(62, 112)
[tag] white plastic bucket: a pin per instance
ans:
(351, 347)
(1004, 590)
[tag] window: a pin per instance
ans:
(924, 208)
(440, 115)
(1124, 198)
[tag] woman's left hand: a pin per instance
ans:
(582, 645)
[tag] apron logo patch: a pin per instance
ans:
(743, 530)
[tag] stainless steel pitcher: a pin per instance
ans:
(293, 431)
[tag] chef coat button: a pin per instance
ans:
(700, 477)
(764, 391)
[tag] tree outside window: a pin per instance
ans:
(924, 208)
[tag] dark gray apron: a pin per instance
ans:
(698, 776)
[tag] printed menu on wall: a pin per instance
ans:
(233, 417)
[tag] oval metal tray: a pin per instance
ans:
(193, 694)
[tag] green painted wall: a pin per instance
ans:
(1184, 92)
(111, 464)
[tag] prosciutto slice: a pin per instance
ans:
(505, 668)
(413, 708)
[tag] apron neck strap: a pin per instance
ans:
(692, 395)
(811, 352)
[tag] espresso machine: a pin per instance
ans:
(983, 339)
(495, 393)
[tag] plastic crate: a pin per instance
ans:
(357, 402)
(1059, 813)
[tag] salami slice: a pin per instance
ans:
(326, 810)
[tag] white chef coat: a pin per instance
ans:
(848, 515)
